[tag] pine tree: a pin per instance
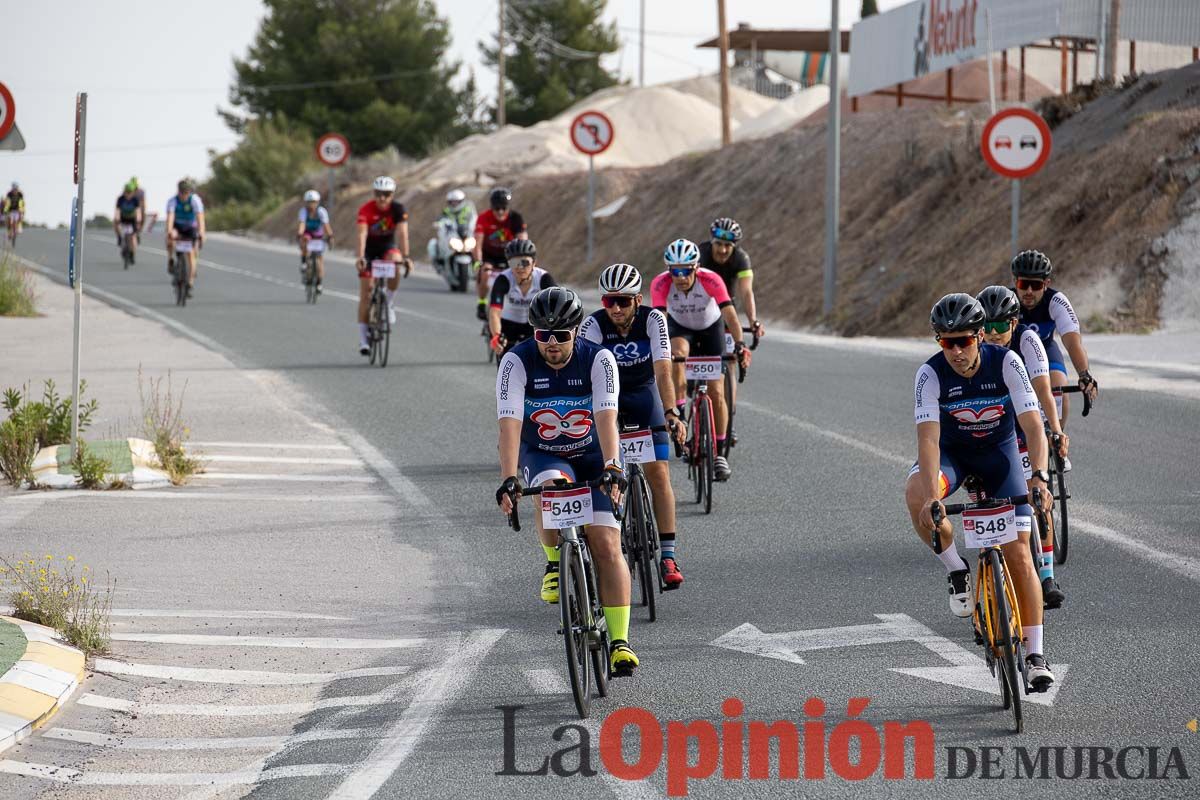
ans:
(869, 8)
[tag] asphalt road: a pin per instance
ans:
(810, 533)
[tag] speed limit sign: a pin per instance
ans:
(8, 111)
(333, 149)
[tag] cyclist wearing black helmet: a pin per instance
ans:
(494, 229)
(1047, 310)
(513, 291)
(969, 400)
(556, 400)
(723, 255)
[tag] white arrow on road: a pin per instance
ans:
(967, 670)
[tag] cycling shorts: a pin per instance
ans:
(186, 232)
(642, 406)
(1054, 356)
(514, 332)
(385, 252)
(999, 469)
(707, 342)
(537, 467)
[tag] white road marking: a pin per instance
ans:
(213, 710)
(244, 677)
(351, 462)
(439, 689)
(214, 743)
(270, 445)
(267, 476)
(197, 493)
(305, 642)
(75, 777)
(401, 485)
(1179, 564)
(216, 614)
(547, 681)
(840, 438)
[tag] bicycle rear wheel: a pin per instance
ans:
(650, 548)
(373, 328)
(310, 279)
(1011, 679)
(181, 273)
(385, 335)
(574, 609)
(631, 534)
(1061, 520)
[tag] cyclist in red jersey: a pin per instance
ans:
(379, 221)
(494, 229)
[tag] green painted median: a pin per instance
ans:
(12, 645)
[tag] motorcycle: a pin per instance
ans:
(450, 252)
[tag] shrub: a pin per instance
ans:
(16, 292)
(66, 600)
(90, 467)
(162, 424)
(34, 424)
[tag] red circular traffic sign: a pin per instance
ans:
(1016, 142)
(333, 149)
(591, 133)
(8, 111)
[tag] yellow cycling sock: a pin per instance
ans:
(617, 618)
(551, 553)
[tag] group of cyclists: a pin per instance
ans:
(565, 377)
(982, 408)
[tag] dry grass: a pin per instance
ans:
(65, 597)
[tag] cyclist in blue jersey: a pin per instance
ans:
(556, 400)
(185, 220)
(1001, 309)
(313, 225)
(1046, 311)
(967, 397)
(637, 336)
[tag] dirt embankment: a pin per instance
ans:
(921, 214)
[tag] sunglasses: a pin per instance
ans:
(616, 301)
(682, 272)
(951, 342)
(723, 236)
(997, 327)
(521, 262)
(381, 195)
(557, 336)
(1025, 284)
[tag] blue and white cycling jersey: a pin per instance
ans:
(977, 412)
(557, 407)
(636, 351)
(314, 225)
(185, 211)
(1052, 313)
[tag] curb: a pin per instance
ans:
(144, 475)
(38, 684)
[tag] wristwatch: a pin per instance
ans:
(674, 411)
(1041, 475)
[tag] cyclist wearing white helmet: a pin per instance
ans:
(637, 337)
(314, 227)
(698, 312)
(381, 220)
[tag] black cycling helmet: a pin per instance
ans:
(556, 308)
(956, 313)
(1032, 264)
(520, 247)
(187, 185)
(999, 303)
(500, 198)
(726, 229)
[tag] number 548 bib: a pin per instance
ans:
(986, 527)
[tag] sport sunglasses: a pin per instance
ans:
(1030, 285)
(520, 262)
(554, 336)
(997, 327)
(724, 235)
(951, 342)
(616, 301)
(682, 272)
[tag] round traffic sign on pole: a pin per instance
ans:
(591, 133)
(333, 149)
(8, 111)
(1016, 143)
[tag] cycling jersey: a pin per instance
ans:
(977, 412)
(1028, 346)
(186, 211)
(1052, 313)
(495, 235)
(314, 226)
(738, 266)
(14, 201)
(698, 308)
(512, 302)
(635, 351)
(128, 207)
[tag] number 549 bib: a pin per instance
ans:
(566, 508)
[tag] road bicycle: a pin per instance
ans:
(127, 238)
(180, 270)
(701, 450)
(639, 529)
(1060, 520)
(379, 325)
(313, 249)
(989, 523)
(582, 624)
(730, 434)
(13, 223)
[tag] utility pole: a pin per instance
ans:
(833, 161)
(500, 64)
(642, 44)
(723, 37)
(1110, 40)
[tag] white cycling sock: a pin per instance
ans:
(1033, 639)
(362, 333)
(391, 295)
(950, 557)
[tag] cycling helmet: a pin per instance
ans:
(682, 253)
(726, 229)
(1032, 264)
(500, 198)
(956, 313)
(16, 185)
(384, 183)
(131, 187)
(620, 279)
(556, 308)
(518, 248)
(133, 180)
(186, 185)
(312, 196)
(999, 303)
(455, 198)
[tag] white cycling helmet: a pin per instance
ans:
(312, 196)
(620, 279)
(384, 183)
(16, 185)
(682, 253)
(455, 198)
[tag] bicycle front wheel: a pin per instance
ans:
(1061, 520)
(181, 273)
(310, 279)
(631, 534)
(708, 451)
(650, 550)
(1011, 679)
(598, 636)
(573, 605)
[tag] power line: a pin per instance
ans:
(676, 34)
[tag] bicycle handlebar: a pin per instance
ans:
(1087, 400)
(754, 337)
(741, 370)
(514, 519)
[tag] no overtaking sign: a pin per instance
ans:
(1016, 143)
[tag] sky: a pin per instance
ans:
(156, 71)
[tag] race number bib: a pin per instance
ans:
(986, 527)
(126, 229)
(637, 447)
(183, 246)
(383, 269)
(729, 343)
(1025, 462)
(316, 245)
(702, 368)
(566, 508)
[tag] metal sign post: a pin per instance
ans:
(329, 194)
(591, 203)
(77, 258)
(591, 133)
(1016, 143)
(1016, 218)
(833, 160)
